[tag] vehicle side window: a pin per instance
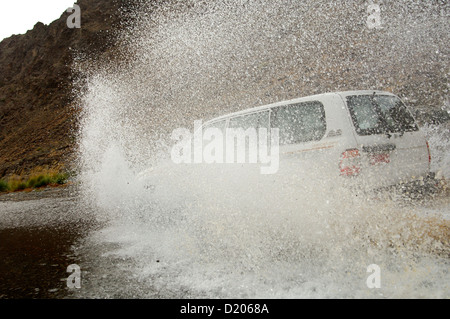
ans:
(299, 123)
(254, 120)
(364, 114)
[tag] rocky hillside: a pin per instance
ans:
(37, 120)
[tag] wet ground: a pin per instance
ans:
(37, 233)
(43, 232)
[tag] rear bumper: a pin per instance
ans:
(379, 178)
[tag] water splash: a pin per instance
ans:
(219, 233)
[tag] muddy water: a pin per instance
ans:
(42, 233)
(38, 231)
(33, 261)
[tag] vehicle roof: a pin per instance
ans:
(298, 100)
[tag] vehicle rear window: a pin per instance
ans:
(378, 114)
(299, 123)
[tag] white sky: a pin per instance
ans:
(19, 16)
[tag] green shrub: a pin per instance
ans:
(60, 179)
(39, 181)
(21, 186)
(15, 183)
(4, 187)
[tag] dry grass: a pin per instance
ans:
(38, 177)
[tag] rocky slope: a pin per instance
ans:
(37, 120)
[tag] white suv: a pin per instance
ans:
(364, 136)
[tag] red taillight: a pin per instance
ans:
(429, 153)
(350, 164)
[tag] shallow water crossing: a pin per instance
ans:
(229, 232)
